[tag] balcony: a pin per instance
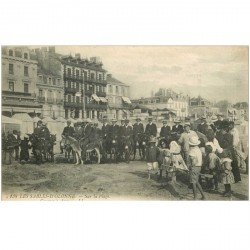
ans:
(59, 101)
(72, 78)
(101, 94)
(95, 106)
(89, 92)
(73, 104)
(14, 93)
(95, 81)
(72, 90)
(20, 102)
(41, 99)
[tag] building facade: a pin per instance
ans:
(50, 87)
(118, 95)
(166, 100)
(19, 77)
(199, 106)
(84, 87)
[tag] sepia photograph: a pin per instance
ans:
(134, 123)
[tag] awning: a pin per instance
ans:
(126, 100)
(103, 99)
(95, 97)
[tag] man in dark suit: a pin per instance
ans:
(203, 126)
(138, 128)
(114, 130)
(88, 133)
(127, 130)
(105, 135)
(68, 130)
(177, 128)
(165, 130)
(218, 124)
(14, 142)
(151, 129)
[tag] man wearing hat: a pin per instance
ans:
(138, 128)
(114, 129)
(105, 134)
(184, 140)
(177, 128)
(89, 134)
(218, 122)
(165, 130)
(67, 131)
(195, 158)
(203, 126)
(151, 129)
(127, 130)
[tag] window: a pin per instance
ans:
(77, 99)
(110, 89)
(44, 79)
(117, 90)
(25, 55)
(69, 98)
(92, 76)
(49, 80)
(40, 78)
(97, 89)
(100, 77)
(58, 81)
(11, 52)
(104, 89)
(54, 81)
(69, 72)
(40, 93)
(26, 87)
(11, 69)
(26, 71)
(11, 86)
(77, 73)
(87, 86)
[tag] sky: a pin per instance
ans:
(214, 72)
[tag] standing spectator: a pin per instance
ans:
(105, 133)
(152, 155)
(203, 126)
(184, 141)
(14, 141)
(165, 130)
(177, 128)
(195, 156)
(151, 129)
(138, 128)
(238, 158)
(219, 122)
(25, 146)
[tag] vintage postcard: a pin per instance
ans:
(124, 123)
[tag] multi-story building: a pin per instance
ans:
(50, 87)
(201, 107)
(118, 94)
(19, 77)
(84, 87)
(166, 100)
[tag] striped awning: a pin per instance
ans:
(95, 97)
(103, 99)
(126, 100)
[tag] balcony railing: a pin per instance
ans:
(73, 78)
(101, 94)
(72, 90)
(95, 81)
(22, 102)
(5, 92)
(73, 104)
(95, 106)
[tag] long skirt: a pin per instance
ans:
(235, 167)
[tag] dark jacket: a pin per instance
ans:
(105, 130)
(68, 131)
(165, 131)
(178, 129)
(152, 153)
(127, 131)
(114, 131)
(88, 131)
(218, 124)
(138, 129)
(203, 128)
(151, 129)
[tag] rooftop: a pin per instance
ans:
(114, 81)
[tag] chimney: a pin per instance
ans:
(78, 55)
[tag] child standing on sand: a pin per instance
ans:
(152, 155)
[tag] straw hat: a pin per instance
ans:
(194, 141)
(177, 121)
(174, 147)
(114, 120)
(187, 124)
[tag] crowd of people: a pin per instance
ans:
(213, 148)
